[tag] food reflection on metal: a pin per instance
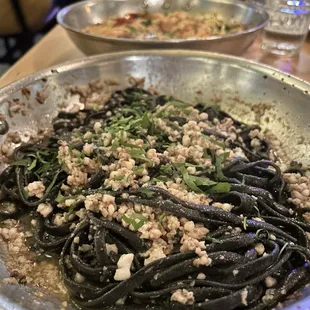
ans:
(190, 4)
(145, 4)
(166, 5)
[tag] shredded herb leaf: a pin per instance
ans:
(202, 184)
(178, 104)
(161, 218)
(49, 188)
(60, 198)
(189, 181)
(147, 192)
(219, 188)
(218, 143)
(161, 178)
(258, 212)
(33, 165)
(132, 220)
(147, 123)
(245, 225)
(139, 155)
(147, 22)
(213, 240)
(26, 194)
(23, 162)
(132, 29)
(218, 166)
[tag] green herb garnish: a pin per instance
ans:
(213, 240)
(168, 170)
(258, 212)
(138, 170)
(26, 194)
(147, 22)
(53, 182)
(218, 166)
(147, 123)
(119, 178)
(190, 182)
(33, 165)
(60, 198)
(132, 29)
(136, 220)
(38, 154)
(219, 188)
(23, 163)
(147, 192)
(178, 104)
(245, 225)
(201, 184)
(218, 143)
(140, 155)
(161, 178)
(161, 218)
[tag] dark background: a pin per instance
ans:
(14, 45)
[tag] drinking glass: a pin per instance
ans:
(287, 27)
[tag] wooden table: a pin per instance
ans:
(56, 47)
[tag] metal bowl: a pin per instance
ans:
(234, 83)
(76, 17)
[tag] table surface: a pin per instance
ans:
(56, 47)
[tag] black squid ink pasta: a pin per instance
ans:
(152, 202)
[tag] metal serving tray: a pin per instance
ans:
(282, 102)
(76, 17)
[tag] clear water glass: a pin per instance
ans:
(287, 27)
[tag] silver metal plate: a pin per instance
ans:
(234, 83)
(76, 17)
